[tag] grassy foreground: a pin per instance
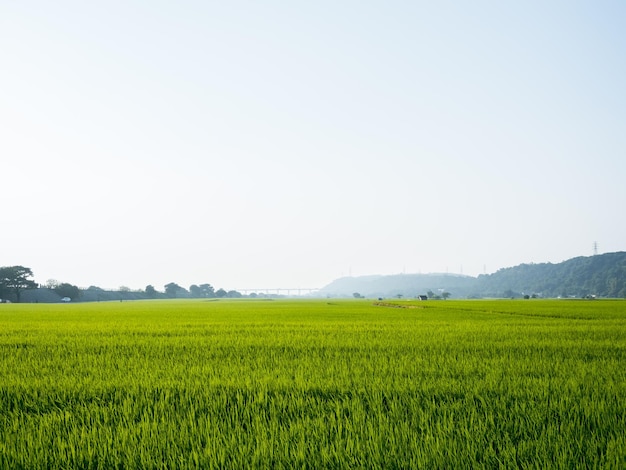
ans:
(313, 384)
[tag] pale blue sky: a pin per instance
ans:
(285, 144)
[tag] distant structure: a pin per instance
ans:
(595, 248)
(288, 291)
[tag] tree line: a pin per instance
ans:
(17, 281)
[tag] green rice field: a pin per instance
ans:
(313, 384)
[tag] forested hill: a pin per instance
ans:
(600, 275)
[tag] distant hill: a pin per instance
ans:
(407, 285)
(600, 275)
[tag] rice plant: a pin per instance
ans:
(313, 384)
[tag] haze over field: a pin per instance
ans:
(281, 144)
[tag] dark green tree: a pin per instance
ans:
(207, 290)
(221, 293)
(195, 291)
(172, 289)
(67, 290)
(15, 278)
(151, 292)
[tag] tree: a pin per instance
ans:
(195, 291)
(356, 295)
(445, 295)
(221, 293)
(172, 289)
(151, 291)
(14, 279)
(67, 290)
(207, 290)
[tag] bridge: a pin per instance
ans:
(287, 291)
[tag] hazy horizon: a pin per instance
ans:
(303, 288)
(286, 145)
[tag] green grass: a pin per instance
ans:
(313, 384)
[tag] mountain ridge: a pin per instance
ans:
(602, 275)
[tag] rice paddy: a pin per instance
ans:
(313, 384)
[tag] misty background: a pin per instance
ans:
(281, 144)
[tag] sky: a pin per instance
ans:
(279, 144)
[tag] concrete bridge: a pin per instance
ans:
(287, 291)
